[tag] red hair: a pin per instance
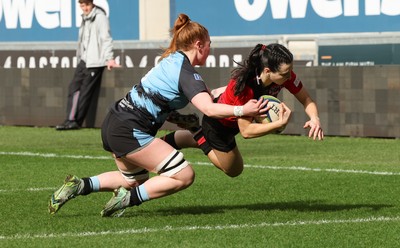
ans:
(184, 34)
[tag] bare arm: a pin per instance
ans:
(204, 103)
(249, 129)
(310, 107)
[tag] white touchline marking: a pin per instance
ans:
(384, 173)
(194, 228)
(297, 168)
(28, 189)
(53, 155)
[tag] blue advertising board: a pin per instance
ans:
(275, 17)
(59, 20)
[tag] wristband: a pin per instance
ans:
(238, 111)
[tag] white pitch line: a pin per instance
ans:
(53, 155)
(194, 228)
(28, 189)
(295, 168)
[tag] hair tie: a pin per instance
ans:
(263, 47)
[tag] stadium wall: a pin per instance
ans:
(353, 101)
(355, 46)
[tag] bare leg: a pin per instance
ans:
(184, 139)
(112, 180)
(151, 156)
(231, 163)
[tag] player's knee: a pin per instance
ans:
(175, 166)
(186, 177)
(234, 172)
(172, 164)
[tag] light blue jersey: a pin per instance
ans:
(168, 86)
(134, 120)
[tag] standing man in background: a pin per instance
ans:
(94, 53)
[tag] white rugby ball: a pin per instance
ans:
(273, 112)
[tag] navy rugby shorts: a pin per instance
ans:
(121, 137)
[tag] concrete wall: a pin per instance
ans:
(154, 19)
(353, 101)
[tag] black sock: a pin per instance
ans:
(134, 200)
(195, 130)
(87, 186)
(202, 142)
(170, 139)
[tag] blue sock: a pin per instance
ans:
(138, 195)
(142, 193)
(95, 183)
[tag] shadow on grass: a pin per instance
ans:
(301, 206)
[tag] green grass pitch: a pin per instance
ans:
(294, 192)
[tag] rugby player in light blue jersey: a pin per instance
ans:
(130, 127)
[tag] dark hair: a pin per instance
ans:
(184, 33)
(85, 1)
(271, 56)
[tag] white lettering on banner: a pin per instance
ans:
(12, 9)
(21, 62)
(43, 62)
(250, 12)
(351, 8)
(280, 7)
(391, 8)
(65, 16)
(49, 14)
(128, 61)
(224, 61)
(349, 63)
(323, 8)
(32, 62)
(7, 63)
(327, 9)
(29, 61)
(237, 58)
(211, 61)
(143, 62)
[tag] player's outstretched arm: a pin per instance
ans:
(205, 104)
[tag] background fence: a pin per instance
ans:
(353, 101)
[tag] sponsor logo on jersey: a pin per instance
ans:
(297, 81)
(197, 77)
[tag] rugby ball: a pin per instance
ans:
(273, 112)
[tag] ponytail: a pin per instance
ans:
(249, 70)
(184, 34)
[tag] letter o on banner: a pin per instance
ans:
(251, 12)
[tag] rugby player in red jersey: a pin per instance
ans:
(267, 70)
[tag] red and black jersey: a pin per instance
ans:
(294, 85)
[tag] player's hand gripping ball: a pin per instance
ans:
(273, 112)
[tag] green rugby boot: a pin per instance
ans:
(115, 207)
(66, 192)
